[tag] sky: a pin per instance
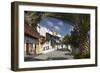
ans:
(54, 24)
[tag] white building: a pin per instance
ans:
(46, 47)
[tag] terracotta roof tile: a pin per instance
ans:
(31, 31)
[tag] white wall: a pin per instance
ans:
(5, 32)
(42, 31)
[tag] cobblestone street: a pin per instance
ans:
(54, 55)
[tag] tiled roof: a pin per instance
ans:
(31, 31)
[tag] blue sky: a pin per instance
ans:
(54, 24)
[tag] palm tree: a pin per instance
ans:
(84, 40)
(82, 28)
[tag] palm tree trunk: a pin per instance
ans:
(84, 42)
(84, 46)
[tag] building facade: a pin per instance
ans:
(50, 40)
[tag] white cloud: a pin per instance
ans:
(71, 28)
(57, 28)
(60, 23)
(50, 23)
